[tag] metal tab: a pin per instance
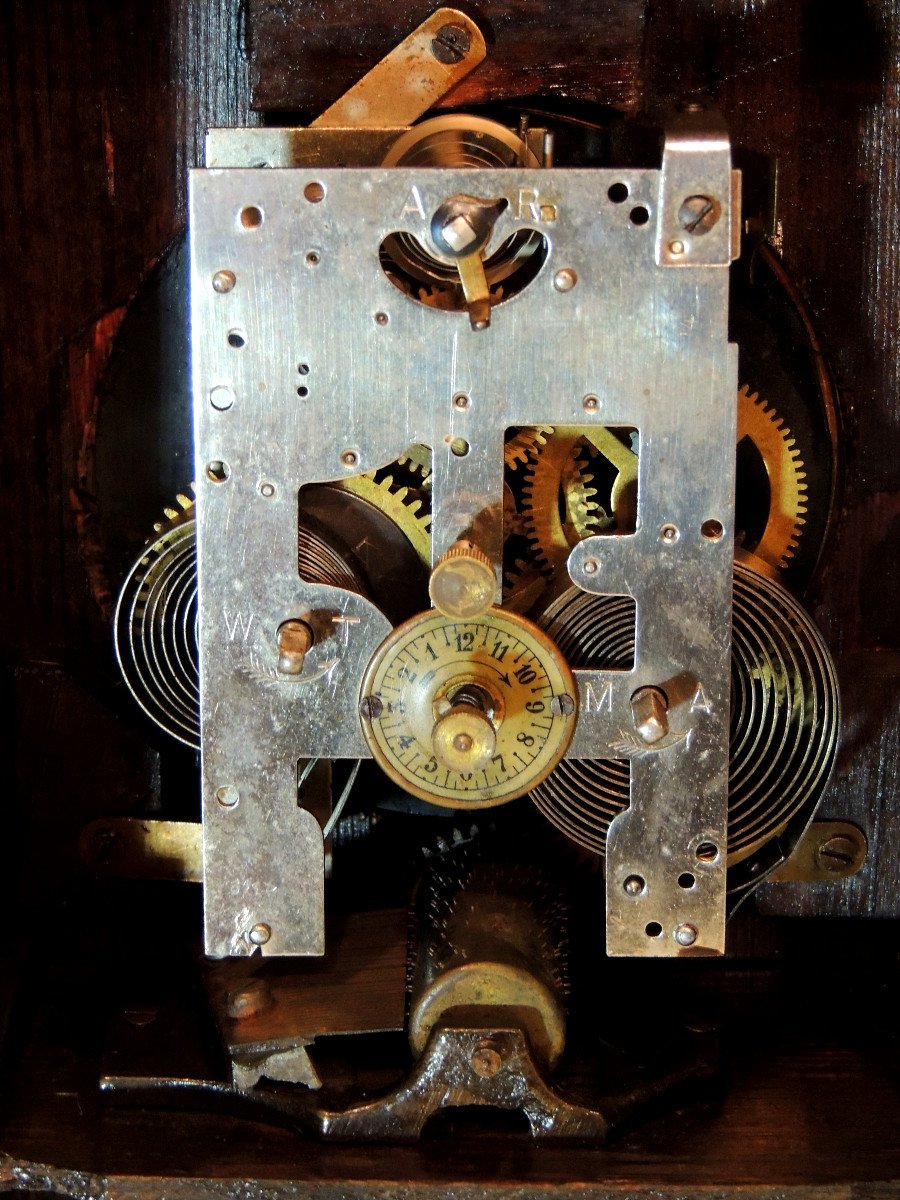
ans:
(443, 50)
(699, 194)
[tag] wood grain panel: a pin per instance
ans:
(304, 56)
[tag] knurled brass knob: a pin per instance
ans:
(462, 584)
(464, 739)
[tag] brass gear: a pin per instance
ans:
(176, 514)
(784, 466)
(520, 445)
(559, 499)
(561, 469)
(524, 444)
(417, 459)
(523, 585)
(407, 510)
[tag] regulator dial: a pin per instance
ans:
(468, 713)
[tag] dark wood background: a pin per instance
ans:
(105, 106)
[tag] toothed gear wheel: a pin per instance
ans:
(454, 839)
(523, 584)
(417, 459)
(179, 512)
(522, 445)
(560, 501)
(407, 510)
(759, 421)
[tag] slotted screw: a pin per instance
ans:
(451, 44)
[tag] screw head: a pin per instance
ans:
(451, 44)
(349, 459)
(105, 846)
(565, 279)
(676, 247)
(698, 214)
(227, 796)
(370, 708)
(837, 854)
(591, 566)
(486, 1061)
(685, 935)
(223, 281)
(140, 1017)
(259, 934)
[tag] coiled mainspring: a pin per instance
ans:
(784, 715)
(156, 621)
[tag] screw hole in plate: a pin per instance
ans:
(707, 852)
(251, 217)
(217, 471)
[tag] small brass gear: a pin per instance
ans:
(176, 514)
(523, 444)
(560, 502)
(758, 421)
(399, 502)
(520, 446)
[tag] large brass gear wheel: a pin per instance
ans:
(417, 460)
(786, 474)
(407, 510)
(561, 504)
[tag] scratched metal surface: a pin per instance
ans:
(634, 329)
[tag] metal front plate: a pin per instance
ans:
(647, 338)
